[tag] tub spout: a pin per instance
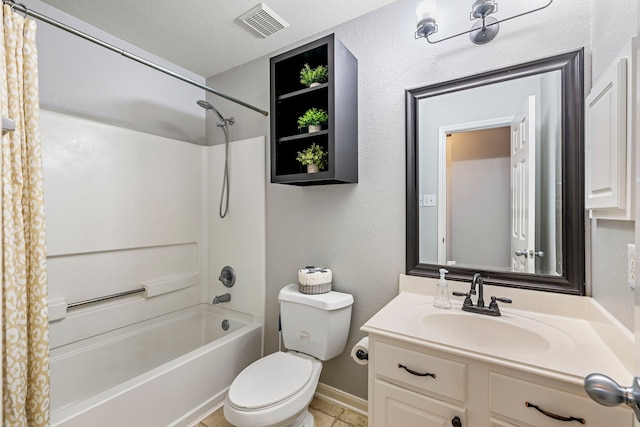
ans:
(221, 298)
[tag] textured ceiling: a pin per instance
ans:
(204, 36)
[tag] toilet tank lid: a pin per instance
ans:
(328, 301)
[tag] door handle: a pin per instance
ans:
(539, 254)
(524, 253)
(607, 392)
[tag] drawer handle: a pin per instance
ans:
(416, 373)
(554, 416)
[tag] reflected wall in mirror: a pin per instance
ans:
(494, 176)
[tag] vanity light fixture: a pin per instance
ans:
(484, 29)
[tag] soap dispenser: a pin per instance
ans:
(442, 293)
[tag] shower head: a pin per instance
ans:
(204, 104)
(207, 106)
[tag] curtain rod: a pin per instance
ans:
(30, 12)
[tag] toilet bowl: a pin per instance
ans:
(274, 391)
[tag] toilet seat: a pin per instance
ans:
(269, 381)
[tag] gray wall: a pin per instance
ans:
(359, 230)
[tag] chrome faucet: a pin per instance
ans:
(467, 305)
(221, 298)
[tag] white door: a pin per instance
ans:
(523, 188)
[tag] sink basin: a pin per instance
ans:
(507, 334)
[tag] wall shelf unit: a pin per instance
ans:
(290, 99)
(610, 131)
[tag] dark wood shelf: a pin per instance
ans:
(301, 92)
(290, 100)
(303, 136)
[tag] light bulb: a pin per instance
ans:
(426, 9)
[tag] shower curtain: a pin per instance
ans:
(25, 334)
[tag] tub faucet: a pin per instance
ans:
(221, 298)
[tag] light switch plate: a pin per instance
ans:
(429, 200)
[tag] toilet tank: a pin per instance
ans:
(317, 325)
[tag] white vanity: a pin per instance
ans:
(432, 367)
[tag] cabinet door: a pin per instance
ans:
(609, 136)
(395, 407)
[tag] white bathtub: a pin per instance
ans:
(169, 370)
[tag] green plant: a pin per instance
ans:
(309, 75)
(313, 154)
(312, 117)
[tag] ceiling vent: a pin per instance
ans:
(263, 20)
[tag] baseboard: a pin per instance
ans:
(339, 397)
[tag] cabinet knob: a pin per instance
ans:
(455, 422)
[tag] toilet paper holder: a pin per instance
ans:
(360, 351)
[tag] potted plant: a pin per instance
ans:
(313, 76)
(313, 157)
(313, 119)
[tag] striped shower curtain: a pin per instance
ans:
(25, 333)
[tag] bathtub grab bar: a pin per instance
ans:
(104, 298)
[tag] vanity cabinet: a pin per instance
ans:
(412, 385)
(290, 100)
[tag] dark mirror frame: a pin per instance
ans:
(571, 66)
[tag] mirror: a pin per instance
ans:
(494, 176)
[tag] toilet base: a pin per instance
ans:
(304, 420)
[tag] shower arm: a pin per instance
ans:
(30, 12)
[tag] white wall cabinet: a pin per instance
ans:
(609, 135)
(415, 386)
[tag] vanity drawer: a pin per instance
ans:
(421, 371)
(509, 398)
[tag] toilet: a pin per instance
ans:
(275, 391)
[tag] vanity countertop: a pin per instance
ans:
(582, 338)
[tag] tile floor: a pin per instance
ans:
(325, 414)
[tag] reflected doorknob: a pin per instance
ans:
(524, 253)
(607, 392)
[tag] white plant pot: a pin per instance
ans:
(312, 168)
(315, 128)
(314, 84)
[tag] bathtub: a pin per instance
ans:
(166, 371)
